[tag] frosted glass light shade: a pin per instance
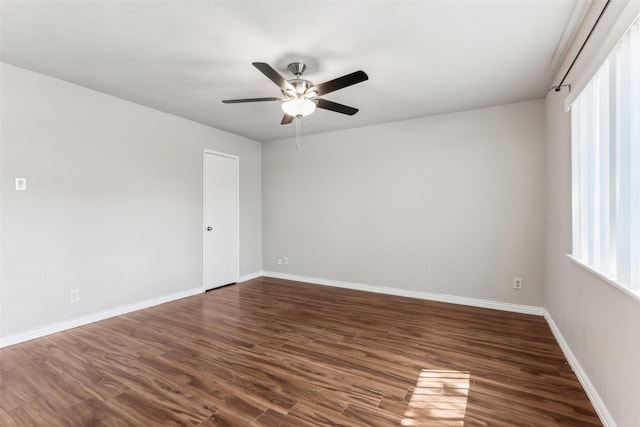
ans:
(298, 107)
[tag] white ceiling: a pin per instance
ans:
(184, 57)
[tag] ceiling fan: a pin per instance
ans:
(300, 97)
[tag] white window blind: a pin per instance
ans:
(605, 121)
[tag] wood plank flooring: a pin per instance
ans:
(271, 352)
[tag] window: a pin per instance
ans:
(605, 121)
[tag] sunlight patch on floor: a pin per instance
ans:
(439, 397)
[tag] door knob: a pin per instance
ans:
(209, 228)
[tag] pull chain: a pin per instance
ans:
(298, 132)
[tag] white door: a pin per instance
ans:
(220, 252)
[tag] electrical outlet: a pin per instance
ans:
(517, 283)
(21, 184)
(279, 261)
(74, 295)
(285, 260)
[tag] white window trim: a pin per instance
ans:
(608, 280)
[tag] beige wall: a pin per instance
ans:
(113, 205)
(450, 204)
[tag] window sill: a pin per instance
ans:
(634, 294)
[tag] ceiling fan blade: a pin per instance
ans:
(274, 76)
(340, 82)
(286, 119)
(338, 108)
(236, 101)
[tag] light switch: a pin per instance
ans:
(21, 184)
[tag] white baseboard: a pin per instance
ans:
(594, 397)
(250, 276)
(496, 305)
(84, 320)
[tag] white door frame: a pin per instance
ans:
(207, 151)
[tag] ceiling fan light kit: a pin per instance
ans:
(300, 96)
(298, 107)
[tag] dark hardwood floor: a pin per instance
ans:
(270, 352)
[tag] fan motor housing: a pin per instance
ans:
(300, 85)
